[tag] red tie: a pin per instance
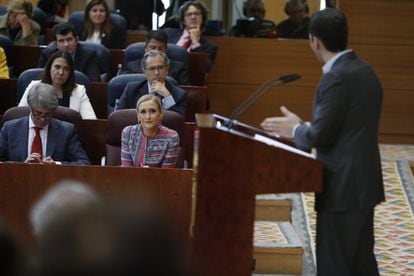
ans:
(37, 142)
(187, 43)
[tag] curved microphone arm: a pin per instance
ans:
(258, 93)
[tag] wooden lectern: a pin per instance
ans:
(230, 168)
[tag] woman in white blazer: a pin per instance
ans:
(59, 72)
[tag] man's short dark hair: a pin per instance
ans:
(158, 35)
(64, 29)
(330, 26)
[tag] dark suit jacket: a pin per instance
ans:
(344, 130)
(115, 41)
(62, 142)
(85, 61)
(134, 90)
(206, 46)
(176, 70)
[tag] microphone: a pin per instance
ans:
(256, 94)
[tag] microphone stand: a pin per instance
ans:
(258, 93)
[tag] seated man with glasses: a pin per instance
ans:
(193, 18)
(155, 65)
(39, 138)
(158, 40)
(17, 24)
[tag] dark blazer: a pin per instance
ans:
(85, 61)
(134, 90)
(115, 41)
(205, 46)
(176, 70)
(62, 142)
(344, 131)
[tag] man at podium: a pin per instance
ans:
(344, 131)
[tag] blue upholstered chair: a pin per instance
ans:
(8, 47)
(136, 51)
(104, 58)
(77, 18)
(103, 54)
(35, 74)
(116, 86)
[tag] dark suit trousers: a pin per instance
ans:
(345, 243)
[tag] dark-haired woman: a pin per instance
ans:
(99, 28)
(60, 73)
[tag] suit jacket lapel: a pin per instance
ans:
(22, 139)
(52, 138)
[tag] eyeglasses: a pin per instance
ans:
(156, 68)
(190, 14)
(41, 115)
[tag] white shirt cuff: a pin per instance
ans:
(167, 102)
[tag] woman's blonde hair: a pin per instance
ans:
(149, 97)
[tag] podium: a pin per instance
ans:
(230, 168)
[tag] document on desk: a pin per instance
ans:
(277, 144)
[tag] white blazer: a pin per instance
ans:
(78, 101)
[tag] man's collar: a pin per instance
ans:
(328, 65)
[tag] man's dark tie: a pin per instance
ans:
(37, 142)
(187, 43)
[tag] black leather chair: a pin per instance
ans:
(35, 74)
(118, 120)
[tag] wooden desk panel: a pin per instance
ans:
(24, 183)
(243, 64)
(92, 134)
(380, 22)
(117, 57)
(98, 95)
(253, 61)
(26, 57)
(7, 94)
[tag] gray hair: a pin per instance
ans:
(154, 53)
(42, 95)
(66, 195)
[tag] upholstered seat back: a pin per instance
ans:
(76, 19)
(116, 87)
(36, 73)
(118, 120)
(62, 113)
(8, 46)
(136, 51)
